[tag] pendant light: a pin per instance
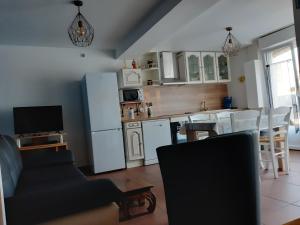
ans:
(80, 31)
(231, 46)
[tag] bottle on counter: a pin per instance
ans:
(149, 109)
(131, 113)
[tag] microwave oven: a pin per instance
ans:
(130, 95)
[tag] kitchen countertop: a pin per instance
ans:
(144, 117)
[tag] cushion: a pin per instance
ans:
(14, 157)
(48, 178)
(7, 182)
(10, 166)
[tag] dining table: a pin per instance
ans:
(212, 127)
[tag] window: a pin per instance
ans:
(283, 79)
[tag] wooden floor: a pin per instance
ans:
(280, 197)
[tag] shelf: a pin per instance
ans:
(40, 135)
(130, 102)
(43, 146)
(150, 69)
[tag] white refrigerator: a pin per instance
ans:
(103, 122)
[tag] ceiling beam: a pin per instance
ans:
(165, 19)
(156, 14)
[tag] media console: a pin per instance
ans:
(42, 141)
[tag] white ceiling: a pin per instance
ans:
(45, 22)
(249, 18)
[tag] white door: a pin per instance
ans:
(108, 150)
(135, 148)
(103, 101)
(156, 133)
(209, 67)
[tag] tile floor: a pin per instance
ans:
(280, 197)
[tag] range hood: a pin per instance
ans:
(169, 68)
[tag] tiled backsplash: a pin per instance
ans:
(184, 98)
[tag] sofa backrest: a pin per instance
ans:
(11, 164)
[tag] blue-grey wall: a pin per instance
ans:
(32, 76)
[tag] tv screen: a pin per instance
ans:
(37, 119)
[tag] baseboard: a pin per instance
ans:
(151, 161)
(294, 147)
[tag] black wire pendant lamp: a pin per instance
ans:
(231, 46)
(80, 31)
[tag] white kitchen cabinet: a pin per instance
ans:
(193, 67)
(209, 68)
(223, 68)
(156, 133)
(134, 145)
(130, 78)
(135, 149)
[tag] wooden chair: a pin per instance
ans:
(223, 127)
(276, 135)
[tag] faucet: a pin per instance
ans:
(203, 106)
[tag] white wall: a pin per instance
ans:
(50, 76)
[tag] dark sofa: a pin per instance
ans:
(43, 187)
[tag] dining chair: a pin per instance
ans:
(245, 120)
(275, 139)
(200, 117)
(222, 118)
(248, 120)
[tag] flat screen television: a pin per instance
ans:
(37, 119)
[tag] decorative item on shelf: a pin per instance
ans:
(149, 82)
(80, 31)
(242, 78)
(231, 46)
(150, 63)
(134, 66)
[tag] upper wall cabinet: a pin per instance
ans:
(209, 67)
(223, 69)
(193, 67)
(130, 78)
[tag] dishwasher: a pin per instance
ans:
(156, 133)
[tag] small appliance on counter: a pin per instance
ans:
(131, 95)
(227, 102)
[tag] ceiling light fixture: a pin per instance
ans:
(80, 31)
(231, 46)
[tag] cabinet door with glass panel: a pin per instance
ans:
(223, 69)
(193, 67)
(209, 67)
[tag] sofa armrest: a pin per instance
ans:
(40, 207)
(47, 157)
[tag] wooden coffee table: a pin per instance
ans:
(137, 199)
